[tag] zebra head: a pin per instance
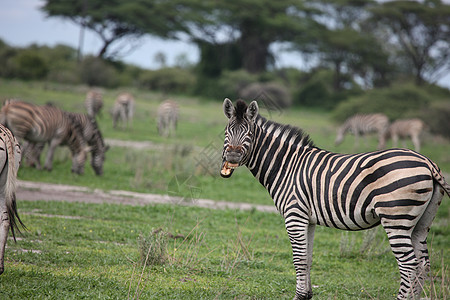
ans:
(238, 134)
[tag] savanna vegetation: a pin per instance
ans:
(105, 251)
(362, 56)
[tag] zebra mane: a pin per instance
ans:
(295, 134)
(241, 109)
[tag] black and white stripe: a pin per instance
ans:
(91, 135)
(363, 124)
(123, 110)
(399, 189)
(167, 118)
(10, 155)
(93, 102)
(46, 124)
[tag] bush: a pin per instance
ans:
(437, 117)
(271, 94)
(96, 72)
(168, 80)
(396, 102)
(30, 65)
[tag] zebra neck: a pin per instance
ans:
(275, 149)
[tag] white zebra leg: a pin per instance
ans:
(298, 235)
(4, 217)
(50, 153)
(416, 142)
(402, 247)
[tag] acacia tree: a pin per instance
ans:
(117, 21)
(420, 32)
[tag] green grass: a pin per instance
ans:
(91, 251)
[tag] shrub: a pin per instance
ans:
(437, 117)
(30, 65)
(96, 72)
(153, 248)
(396, 102)
(173, 80)
(272, 94)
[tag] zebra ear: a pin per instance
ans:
(252, 111)
(228, 108)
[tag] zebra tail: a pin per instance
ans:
(437, 175)
(10, 191)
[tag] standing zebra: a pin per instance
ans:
(123, 109)
(399, 189)
(91, 135)
(362, 125)
(38, 124)
(9, 164)
(93, 102)
(406, 128)
(167, 118)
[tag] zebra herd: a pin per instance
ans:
(363, 124)
(397, 188)
(34, 126)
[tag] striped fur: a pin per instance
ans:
(46, 124)
(123, 110)
(10, 156)
(91, 135)
(399, 189)
(93, 102)
(405, 128)
(167, 118)
(362, 125)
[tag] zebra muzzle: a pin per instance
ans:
(227, 169)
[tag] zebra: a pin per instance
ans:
(93, 102)
(91, 135)
(167, 117)
(10, 155)
(37, 124)
(404, 128)
(397, 188)
(123, 109)
(362, 124)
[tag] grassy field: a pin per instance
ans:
(81, 251)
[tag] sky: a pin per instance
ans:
(22, 24)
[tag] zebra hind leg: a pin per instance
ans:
(419, 237)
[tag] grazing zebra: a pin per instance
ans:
(40, 124)
(123, 109)
(93, 102)
(91, 135)
(406, 128)
(398, 188)
(9, 164)
(362, 125)
(167, 117)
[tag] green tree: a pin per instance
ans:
(420, 32)
(117, 21)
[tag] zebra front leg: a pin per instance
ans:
(300, 235)
(4, 228)
(51, 151)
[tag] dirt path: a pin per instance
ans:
(33, 191)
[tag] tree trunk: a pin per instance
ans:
(255, 50)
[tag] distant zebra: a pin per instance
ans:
(362, 125)
(398, 188)
(91, 135)
(167, 118)
(123, 110)
(10, 155)
(38, 124)
(93, 102)
(406, 128)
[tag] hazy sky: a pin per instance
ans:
(22, 23)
